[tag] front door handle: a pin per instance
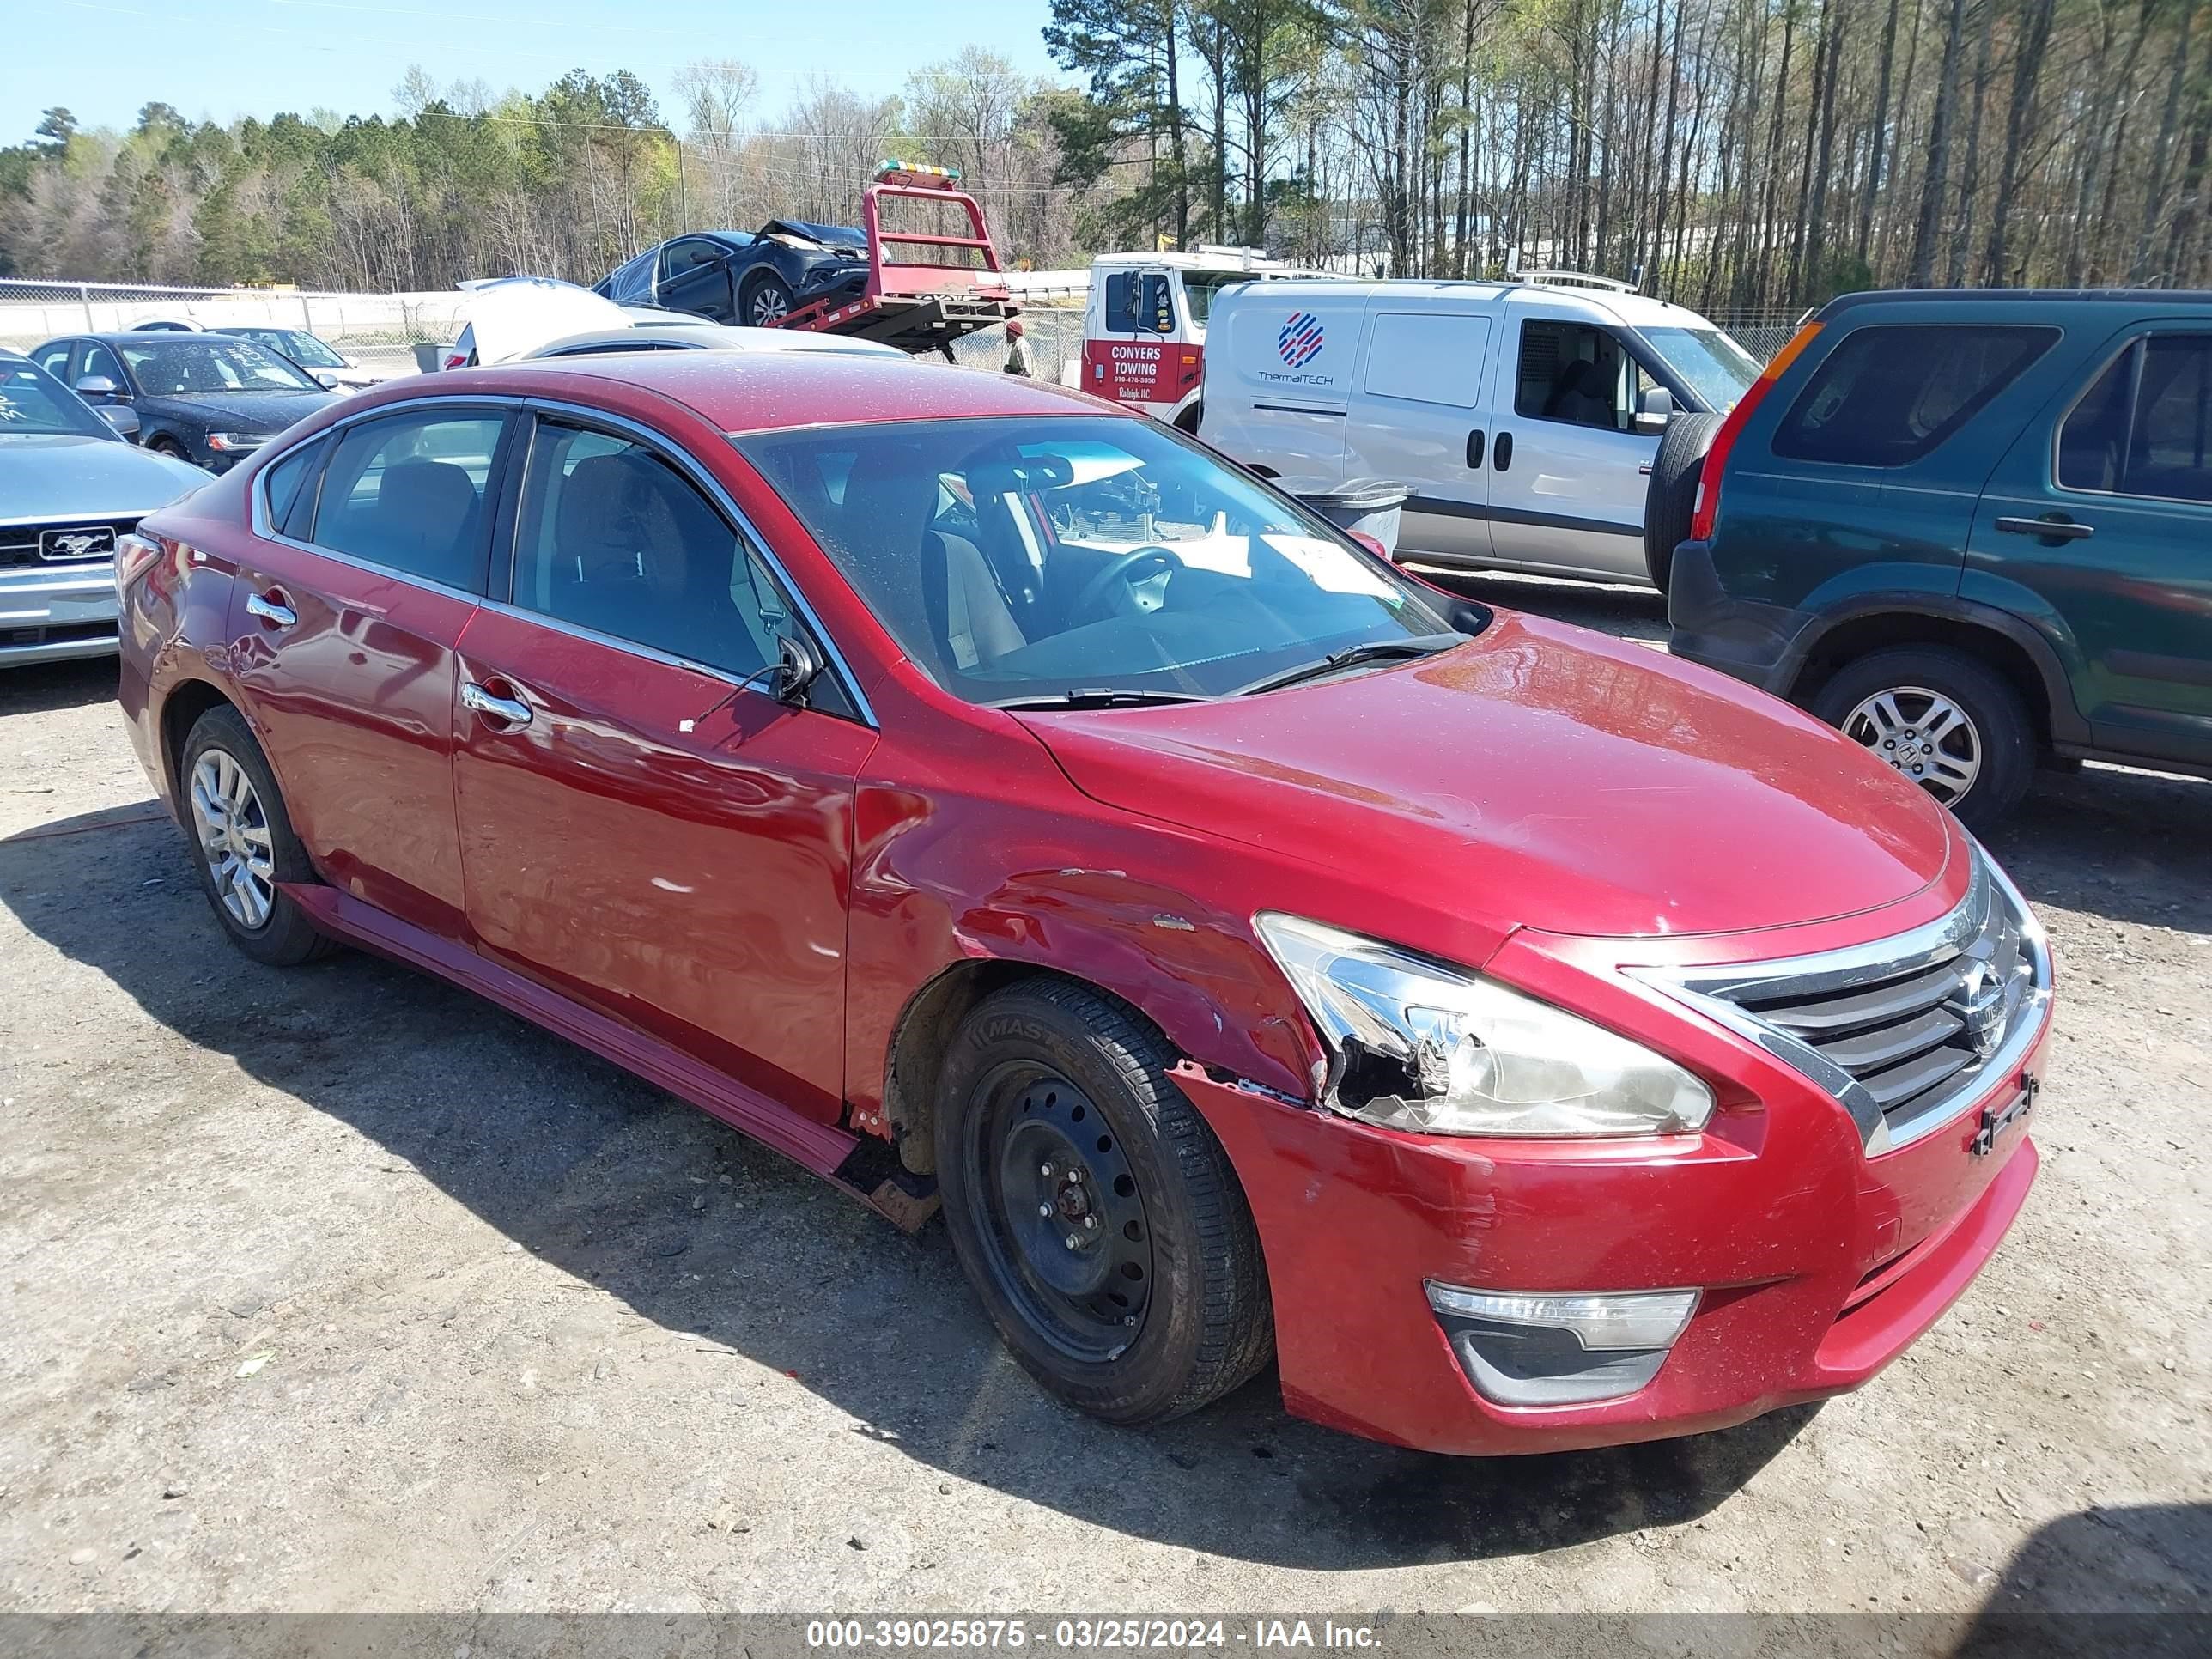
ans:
(482, 701)
(271, 609)
(1501, 452)
(1474, 450)
(2056, 528)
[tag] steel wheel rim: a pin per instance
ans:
(770, 305)
(1064, 1232)
(232, 829)
(1924, 735)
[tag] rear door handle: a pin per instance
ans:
(482, 701)
(271, 609)
(1473, 450)
(2054, 529)
(1501, 452)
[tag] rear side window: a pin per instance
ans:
(411, 493)
(290, 505)
(2144, 427)
(1888, 396)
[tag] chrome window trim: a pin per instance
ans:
(1709, 989)
(755, 544)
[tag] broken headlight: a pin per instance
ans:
(1420, 1046)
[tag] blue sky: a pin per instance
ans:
(102, 58)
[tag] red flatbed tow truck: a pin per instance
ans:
(919, 300)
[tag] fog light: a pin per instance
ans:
(1560, 1350)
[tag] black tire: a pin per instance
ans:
(168, 446)
(285, 937)
(1670, 499)
(1190, 419)
(768, 294)
(1999, 728)
(1045, 1059)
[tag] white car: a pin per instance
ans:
(1522, 417)
(673, 331)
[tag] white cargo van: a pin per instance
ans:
(1521, 417)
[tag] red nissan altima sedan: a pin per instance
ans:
(997, 802)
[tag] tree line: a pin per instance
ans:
(1736, 154)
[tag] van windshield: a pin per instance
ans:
(1075, 560)
(1717, 369)
(1205, 287)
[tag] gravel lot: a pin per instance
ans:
(335, 1289)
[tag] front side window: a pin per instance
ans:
(1051, 560)
(684, 257)
(1888, 395)
(98, 359)
(615, 539)
(1203, 287)
(199, 364)
(410, 492)
(298, 345)
(34, 401)
(1576, 374)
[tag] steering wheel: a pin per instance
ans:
(1140, 564)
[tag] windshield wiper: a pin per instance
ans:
(1098, 696)
(1417, 645)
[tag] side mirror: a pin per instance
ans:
(797, 667)
(1656, 408)
(325, 379)
(123, 418)
(95, 387)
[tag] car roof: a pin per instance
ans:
(2186, 297)
(769, 391)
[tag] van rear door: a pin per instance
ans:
(1417, 417)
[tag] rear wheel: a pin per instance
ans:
(244, 838)
(1948, 722)
(1093, 1210)
(766, 302)
(1670, 499)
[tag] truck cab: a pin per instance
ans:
(1143, 331)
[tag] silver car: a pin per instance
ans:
(70, 485)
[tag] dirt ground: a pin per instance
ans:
(335, 1289)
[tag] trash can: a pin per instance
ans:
(1370, 508)
(428, 354)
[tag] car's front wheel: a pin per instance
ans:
(1948, 722)
(244, 839)
(1094, 1211)
(767, 302)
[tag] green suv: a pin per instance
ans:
(1972, 529)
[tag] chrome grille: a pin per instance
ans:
(20, 543)
(1903, 1032)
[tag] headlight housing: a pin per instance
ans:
(1418, 1045)
(224, 442)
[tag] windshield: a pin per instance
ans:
(1717, 369)
(209, 363)
(298, 345)
(1024, 559)
(32, 401)
(1205, 287)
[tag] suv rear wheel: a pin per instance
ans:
(1093, 1210)
(1948, 722)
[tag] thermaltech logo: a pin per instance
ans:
(1300, 340)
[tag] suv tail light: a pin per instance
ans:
(1709, 479)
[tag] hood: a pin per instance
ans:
(245, 411)
(1549, 777)
(44, 477)
(513, 315)
(844, 239)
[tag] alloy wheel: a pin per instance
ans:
(1065, 1234)
(232, 829)
(1924, 735)
(771, 305)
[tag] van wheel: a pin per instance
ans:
(244, 838)
(1942, 719)
(1188, 420)
(1093, 1210)
(1670, 499)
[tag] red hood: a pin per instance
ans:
(1561, 779)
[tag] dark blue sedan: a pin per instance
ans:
(756, 278)
(207, 399)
